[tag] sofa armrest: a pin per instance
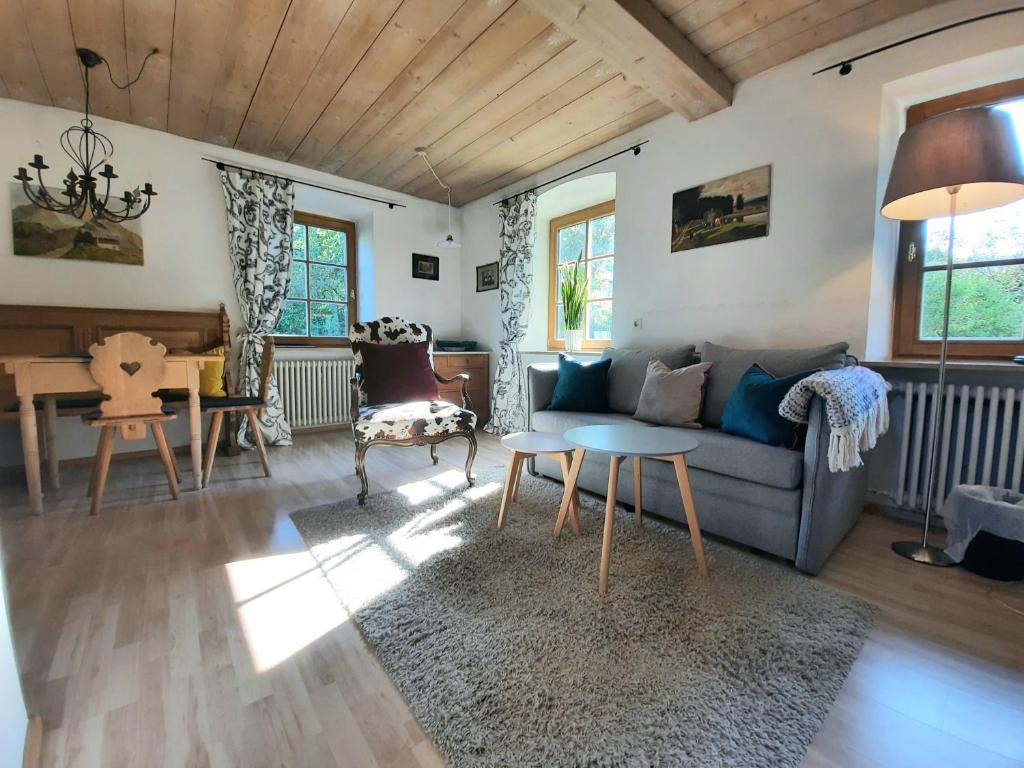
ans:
(542, 378)
(832, 501)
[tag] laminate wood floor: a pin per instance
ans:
(201, 633)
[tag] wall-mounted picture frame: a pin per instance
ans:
(42, 233)
(487, 277)
(722, 211)
(426, 267)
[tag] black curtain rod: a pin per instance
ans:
(635, 149)
(221, 165)
(846, 65)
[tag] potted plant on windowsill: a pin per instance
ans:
(574, 304)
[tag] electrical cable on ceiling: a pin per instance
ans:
(449, 241)
(135, 79)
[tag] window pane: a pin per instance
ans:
(560, 322)
(297, 287)
(599, 321)
(328, 319)
(328, 245)
(328, 282)
(602, 236)
(293, 321)
(601, 274)
(981, 236)
(299, 241)
(560, 272)
(987, 303)
(572, 241)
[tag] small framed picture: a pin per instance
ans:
(487, 277)
(426, 267)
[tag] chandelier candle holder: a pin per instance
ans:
(87, 184)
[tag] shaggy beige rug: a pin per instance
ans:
(509, 657)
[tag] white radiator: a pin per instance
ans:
(980, 439)
(315, 393)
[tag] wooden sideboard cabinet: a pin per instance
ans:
(478, 366)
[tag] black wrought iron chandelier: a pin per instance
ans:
(90, 151)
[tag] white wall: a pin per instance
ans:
(13, 718)
(810, 280)
(185, 241)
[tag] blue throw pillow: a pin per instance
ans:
(581, 386)
(753, 409)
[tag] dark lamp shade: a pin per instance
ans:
(975, 149)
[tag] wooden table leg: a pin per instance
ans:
(609, 523)
(574, 502)
(52, 450)
(518, 476)
(570, 489)
(515, 464)
(683, 478)
(638, 490)
(30, 450)
(195, 427)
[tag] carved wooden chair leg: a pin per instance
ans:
(433, 454)
(166, 457)
(471, 438)
(103, 453)
(361, 471)
(257, 438)
(216, 425)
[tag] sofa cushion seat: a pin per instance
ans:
(560, 421)
(745, 459)
(719, 452)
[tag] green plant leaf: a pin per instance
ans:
(574, 294)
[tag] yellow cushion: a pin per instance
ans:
(211, 375)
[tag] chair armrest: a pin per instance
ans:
(542, 378)
(356, 388)
(463, 379)
(831, 502)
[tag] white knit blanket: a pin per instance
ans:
(856, 406)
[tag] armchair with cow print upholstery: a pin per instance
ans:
(412, 423)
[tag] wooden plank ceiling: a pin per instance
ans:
(495, 89)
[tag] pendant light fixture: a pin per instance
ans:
(90, 151)
(449, 241)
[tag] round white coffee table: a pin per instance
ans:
(526, 445)
(636, 443)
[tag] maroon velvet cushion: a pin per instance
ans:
(397, 373)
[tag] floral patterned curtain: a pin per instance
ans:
(260, 210)
(516, 219)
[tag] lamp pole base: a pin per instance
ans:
(923, 553)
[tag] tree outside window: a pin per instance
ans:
(321, 298)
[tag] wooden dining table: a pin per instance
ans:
(48, 376)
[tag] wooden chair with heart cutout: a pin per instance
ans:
(129, 368)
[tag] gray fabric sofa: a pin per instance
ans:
(780, 501)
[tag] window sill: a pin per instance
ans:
(958, 365)
(300, 342)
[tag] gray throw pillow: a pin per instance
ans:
(629, 369)
(672, 398)
(731, 363)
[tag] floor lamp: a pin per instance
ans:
(958, 162)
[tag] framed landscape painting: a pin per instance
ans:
(722, 211)
(426, 267)
(487, 277)
(38, 232)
